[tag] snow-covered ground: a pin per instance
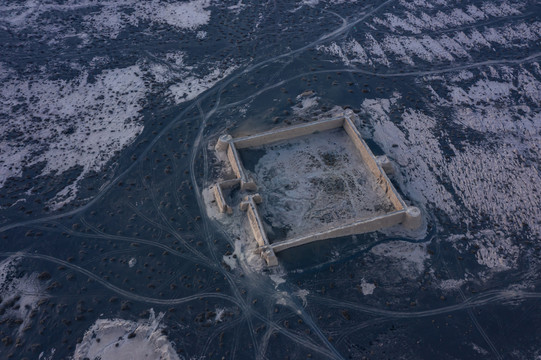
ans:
(120, 339)
(138, 92)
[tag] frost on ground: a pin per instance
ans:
(191, 85)
(118, 339)
(335, 188)
(411, 256)
(110, 18)
(366, 287)
(417, 19)
(450, 285)
(67, 129)
(186, 82)
(19, 295)
(305, 104)
(486, 170)
(184, 15)
(62, 125)
(81, 124)
(415, 36)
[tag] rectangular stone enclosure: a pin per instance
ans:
(314, 181)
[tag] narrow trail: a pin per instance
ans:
(258, 284)
(486, 298)
(115, 289)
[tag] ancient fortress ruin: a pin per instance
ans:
(309, 182)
